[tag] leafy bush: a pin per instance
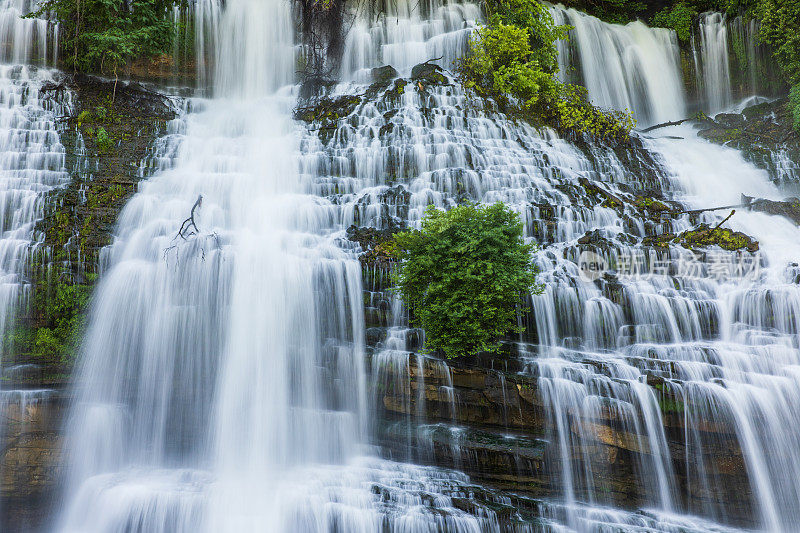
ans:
(102, 35)
(463, 274)
(514, 61)
(500, 66)
(58, 318)
(794, 102)
(571, 111)
(537, 20)
(679, 17)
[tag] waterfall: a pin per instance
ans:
(223, 384)
(629, 67)
(712, 62)
(32, 155)
(32, 162)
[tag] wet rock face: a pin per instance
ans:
(491, 424)
(765, 136)
(30, 461)
(428, 74)
(789, 208)
(118, 125)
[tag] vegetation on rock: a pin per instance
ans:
(50, 332)
(513, 60)
(103, 35)
(678, 17)
(780, 20)
(463, 276)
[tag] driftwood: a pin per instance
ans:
(724, 220)
(707, 209)
(665, 125)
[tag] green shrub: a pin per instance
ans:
(679, 17)
(569, 110)
(536, 19)
(463, 275)
(500, 66)
(53, 333)
(794, 102)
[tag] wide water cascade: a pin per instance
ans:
(32, 161)
(225, 383)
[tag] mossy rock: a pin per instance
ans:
(328, 111)
(378, 245)
(428, 74)
(383, 76)
(725, 238)
(397, 90)
(789, 208)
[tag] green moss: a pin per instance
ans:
(705, 236)
(50, 333)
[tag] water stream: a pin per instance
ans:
(225, 383)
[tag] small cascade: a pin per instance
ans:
(629, 67)
(712, 62)
(197, 35)
(33, 158)
(406, 33)
(750, 55)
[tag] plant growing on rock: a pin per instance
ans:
(779, 29)
(513, 60)
(678, 17)
(463, 276)
(102, 35)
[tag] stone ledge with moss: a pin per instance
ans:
(116, 124)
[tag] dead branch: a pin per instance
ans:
(664, 125)
(189, 229)
(724, 220)
(697, 211)
(189, 224)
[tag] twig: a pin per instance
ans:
(724, 220)
(696, 211)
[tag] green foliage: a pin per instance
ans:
(536, 19)
(794, 102)
(513, 60)
(679, 17)
(102, 35)
(616, 11)
(570, 111)
(500, 66)
(463, 275)
(59, 319)
(103, 141)
(780, 29)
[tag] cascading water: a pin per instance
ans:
(224, 386)
(711, 61)
(32, 161)
(238, 352)
(631, 67)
